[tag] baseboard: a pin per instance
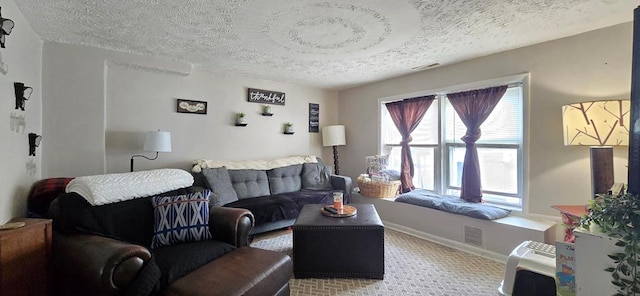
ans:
(447, 242)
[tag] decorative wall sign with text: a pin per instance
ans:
(23, 93)
(6, 25)
(190, 106)
(314, 118)
(265, 96)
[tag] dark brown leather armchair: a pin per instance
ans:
(85, 264)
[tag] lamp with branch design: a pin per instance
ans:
(601, 125)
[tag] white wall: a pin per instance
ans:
(20, 61)
(102, 102)
(590, 66)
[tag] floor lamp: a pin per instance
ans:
(154, 141)
(601, 125)
(333, 135)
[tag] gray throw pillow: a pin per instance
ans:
(220, 183)
(285, 179)
(316, 176)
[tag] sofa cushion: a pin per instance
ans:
(316, 176)
(220, 183)
(285, 179)
(451, 204)
(176, 261)
(181, 218)
(249, 183)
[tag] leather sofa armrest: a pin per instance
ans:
(231, 225)
(91, 265)
(343, 183)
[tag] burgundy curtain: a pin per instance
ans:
(406, 115)
(474, 107)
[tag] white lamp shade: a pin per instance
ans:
(157, 141)
(597, 123)
(333, 135)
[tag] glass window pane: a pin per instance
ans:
(423, 165)
(504, 125)
(389, 132)
(498, 168)
(425, 133)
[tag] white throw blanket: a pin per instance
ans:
(110, 188)
(263, 164)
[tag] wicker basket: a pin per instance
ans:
(379, 188)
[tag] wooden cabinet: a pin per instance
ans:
(25, 258)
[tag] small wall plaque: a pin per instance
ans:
(255, 95)
(190, 106)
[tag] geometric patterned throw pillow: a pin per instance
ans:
(182, 218)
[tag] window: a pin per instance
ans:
(438, 153)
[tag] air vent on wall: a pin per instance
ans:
(424, 67)
(473, 236)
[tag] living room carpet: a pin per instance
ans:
(413, 266)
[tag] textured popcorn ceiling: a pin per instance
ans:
(329, 44)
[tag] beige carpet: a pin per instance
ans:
(413, 266)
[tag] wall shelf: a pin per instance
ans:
(267, 114)
(289, 133)
(241, 124)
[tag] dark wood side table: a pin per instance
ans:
(571, 218)
(25, 258)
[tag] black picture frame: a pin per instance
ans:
(262, 96)
(191, 106)
(314, 118)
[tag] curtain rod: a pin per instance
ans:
(512, 84)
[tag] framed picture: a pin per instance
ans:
(190, 106)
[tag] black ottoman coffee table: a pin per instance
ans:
(328, 247)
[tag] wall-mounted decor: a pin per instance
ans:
(240, 119)
(17, 121)
(314, 118)
(6, 25)
(190, 106)
(23, 93)
(266, 110)
(265, 96)
(34, 141)
(288, 128)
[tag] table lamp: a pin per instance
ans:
(600, 125)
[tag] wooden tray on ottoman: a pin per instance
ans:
(347, 211)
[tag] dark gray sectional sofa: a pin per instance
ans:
(274, 196)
